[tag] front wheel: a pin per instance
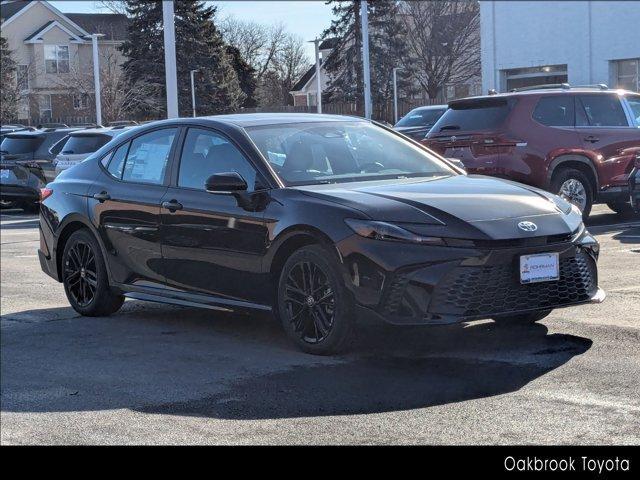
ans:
(313, 304)
(525, 318)
(574, 186)
(85, 277)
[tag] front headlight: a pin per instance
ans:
(389, 231)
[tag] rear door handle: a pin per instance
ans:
(102, 196)
(592, 139)
(172, 206)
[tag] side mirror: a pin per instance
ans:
(226, 182)
(457, 162)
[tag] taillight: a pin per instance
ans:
(636, 163)
(45, 193)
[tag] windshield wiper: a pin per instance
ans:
(450, 127)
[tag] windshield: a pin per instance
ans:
(16, 145)
(335, 152)
(421, 117)
(78, 144)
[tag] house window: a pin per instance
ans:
(22, 77)
(56, 58)
(531, 76)
(44, 105)
(80, 101)
(626, 74)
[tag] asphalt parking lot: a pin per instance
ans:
(157, 374)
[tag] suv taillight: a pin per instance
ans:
(45, 193)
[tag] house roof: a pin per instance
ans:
(33, 38)
(9, 9)
(308, 75)
(114, 26)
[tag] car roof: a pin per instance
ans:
(547, 91)
(109, 131)
(244, 120)
(430, 107)
(40, 133)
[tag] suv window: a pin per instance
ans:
(21, 144)
(555, 111)
(206, 153)
(148, 156)
(473, 115)
(79, 144)
(634, 103)
(602, 111)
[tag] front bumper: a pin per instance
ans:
(418, 285)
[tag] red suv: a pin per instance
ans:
(577, 142)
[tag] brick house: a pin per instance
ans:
(54, 58)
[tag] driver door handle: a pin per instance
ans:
(591, 138)
(172, 206)
(102, 196)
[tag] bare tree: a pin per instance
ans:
(114, 6)
(443, 40)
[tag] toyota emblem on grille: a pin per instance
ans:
(527, 226)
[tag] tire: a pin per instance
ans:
(85, 279)
(325, 325)
(563, 181)
(624, 209)
(530, 317)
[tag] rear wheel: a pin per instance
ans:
(85, 277)
(624, 209)
(529, 317)
(313, 304)
(575, 187)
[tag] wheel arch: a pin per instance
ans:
(579, 162)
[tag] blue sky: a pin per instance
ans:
(305, 18)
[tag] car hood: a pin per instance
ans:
(461, 206)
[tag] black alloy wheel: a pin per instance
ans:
(315, 309)
(84, 276)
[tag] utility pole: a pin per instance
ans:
(171, 71)
(316, 43)
(395, 94)
(364, 18)
(193, 91)
(96, 75)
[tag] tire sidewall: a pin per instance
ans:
(571, 173)
(343, 319)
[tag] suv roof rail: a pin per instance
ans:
(563, 86)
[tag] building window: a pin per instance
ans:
(80, 101)
(531, 76)
(626, 74)
(22, 77)
(44, 105)
(56, 58)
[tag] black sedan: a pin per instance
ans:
(315, 218)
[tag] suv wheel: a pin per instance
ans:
(624, 209)
(574, 186)
(314, 306)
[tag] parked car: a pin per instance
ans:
(634, 185)
(26, 165)
(123, 123)
(417, 123)
(577, 142)
(83, 143)
(314, 218)
(5, 129)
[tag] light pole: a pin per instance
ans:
(364, 18)
(316, 43)
(171, 71)
(395, 94)
(193, 91)
(96, 75)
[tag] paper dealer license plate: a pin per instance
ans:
(543, 267)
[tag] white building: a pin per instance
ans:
(540, 42)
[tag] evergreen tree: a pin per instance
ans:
(386, 51)
(199, 45)
(9, 99)
(246, 76)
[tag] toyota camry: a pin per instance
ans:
(318, 219)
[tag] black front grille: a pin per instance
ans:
(489, 290)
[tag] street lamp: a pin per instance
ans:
(171, 71)
(193, 91)
(318, 80)
(395, 94)
(364, 18)
(96, 75)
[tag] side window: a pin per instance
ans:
(555, 111)
(634, 103)
(206, 153)
(116, 163)
(148, 156)
(603, 111)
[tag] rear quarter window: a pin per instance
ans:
(484, 114)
